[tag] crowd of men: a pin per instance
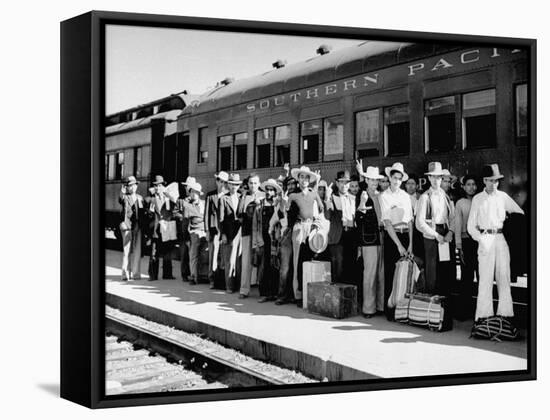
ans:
(261, 233)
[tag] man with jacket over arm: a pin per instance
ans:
(211, 225)
(130, 229)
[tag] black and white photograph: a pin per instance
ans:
(283, 210)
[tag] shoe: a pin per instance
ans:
(211, 286)
(241, 296)
(279, 302)
(169, 278)
(229, 291)
(262, 299)
(368, 315)
(299, 303)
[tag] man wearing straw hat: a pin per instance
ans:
(183, 229)
(160, 210)
(193, 212)
(130, 229)
(435, 220)
(342, 235)
(368, 218)
(397, 215)
(261, 241)
(485, 223)
(230, 230)
(304, 206)
(211, 224)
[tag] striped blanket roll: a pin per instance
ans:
(494, 328)
(423, 310)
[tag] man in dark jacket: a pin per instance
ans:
(211, 224)
(230, 229)
(342, 235)
(130, 229)
(162, 228)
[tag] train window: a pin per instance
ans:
(521, 114)
(439, 124)
(111, 170)
(397, 130)
(119, 166)
(128, 162)
(142, 161)
(225, 143)
(240, 151)
(367, 133)
(333, 135)
(282, 145)
(263, 148)
(202, 156)
(106, 167)
(310, 139)
(479, 129)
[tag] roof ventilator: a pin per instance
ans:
(323, 49)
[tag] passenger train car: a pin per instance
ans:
(379, 101)
(143, 141)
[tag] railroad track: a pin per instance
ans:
(153, 358)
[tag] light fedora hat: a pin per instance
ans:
(435, 168)
(397, 166)
(130, 180)
(318, 240)
(373, 173)
(222, 176)
(189, 180)
(313, 177)
(234, 179)
(271, 183)
(195, 186)
(491, 172)
(159, 179)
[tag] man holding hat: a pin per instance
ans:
(342, 234)
(487, 215)
(268, 276)
(230, 230)
(435, 220)
(397, 215)
(161, 211)
(130, 229)
(304, 206)
(368, 218)
(211, 224)
(183, 233)
(193, 212)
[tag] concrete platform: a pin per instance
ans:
(353, 348)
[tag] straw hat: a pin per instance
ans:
(271, 183)
(195, 186)
(435, 168)
(222, 176)
(189, 180)
(491, 172)
(318, 240)
(397, 166)
(159, 179)
(313, 177)
(373, 173)
(234, 179)
(130, 180)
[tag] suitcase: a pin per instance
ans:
(314, 271)
(334, 300)
(425, 310)
(404, 279)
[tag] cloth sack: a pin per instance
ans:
(425, 311)
(494, 328)
(168, 230)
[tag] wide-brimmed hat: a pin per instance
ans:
(397, 166)
(189, 180)
(318, 240)
(313, 177)
(158, 180)
(343, 176)
(322, 183)
(447, 174)
(435, 168)
(234, 179)
(373, 173)
(491, 171)
(222, 176)
(271, 183)
(130, 180)
(195, 186)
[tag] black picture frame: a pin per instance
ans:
(82, 200)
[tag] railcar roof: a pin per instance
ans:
(361, 58)
(142, 122)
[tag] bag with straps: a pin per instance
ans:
(494, 328)
(425, 310)
(404, 280)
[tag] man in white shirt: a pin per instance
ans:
(485, 222)
(434, 218)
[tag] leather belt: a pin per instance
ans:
(491, 231)
(401, 229)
